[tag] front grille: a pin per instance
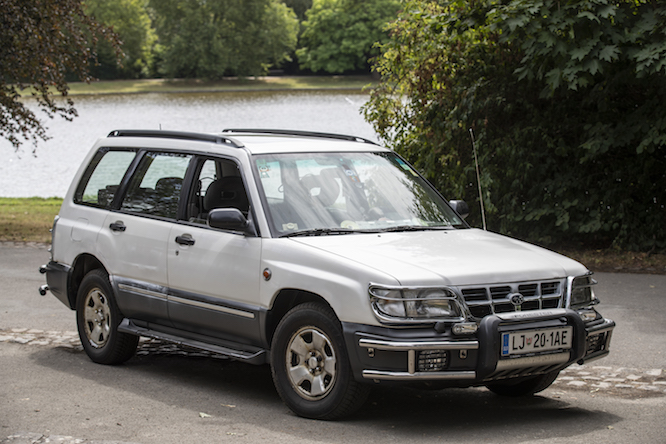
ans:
(475, 294)
(489, 299)
(499, 292)
(529, 289)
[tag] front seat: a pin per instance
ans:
(227, 192)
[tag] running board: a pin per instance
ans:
(254, 356)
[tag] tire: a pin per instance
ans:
(524, 387)
(310, 365)
(97, 319)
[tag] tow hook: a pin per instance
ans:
(44, 288)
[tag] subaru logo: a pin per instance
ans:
(517, 299)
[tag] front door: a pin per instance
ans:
(213, 274)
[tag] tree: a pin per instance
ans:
(566, 101)
(300, 7)
(340, 35)
(130, 20)
(211, 39)
(41, 42)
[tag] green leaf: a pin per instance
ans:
(592, 66)
(588, 15)
(515, 22)
(609, 53)
(553, 77)
(580, 53)
(606, 11)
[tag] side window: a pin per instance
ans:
(103, 176)
(209, 174)
(218, 185)
(155, 187)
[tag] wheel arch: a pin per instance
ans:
(285, 300)
(83, 265)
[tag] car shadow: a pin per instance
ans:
(245, 393)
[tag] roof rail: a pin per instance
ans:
(203, 137)
(298, 133)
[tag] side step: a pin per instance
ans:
(254, 355)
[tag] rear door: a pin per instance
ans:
(134, 239)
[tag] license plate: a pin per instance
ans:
(535, 341)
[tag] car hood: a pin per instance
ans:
(451, 257)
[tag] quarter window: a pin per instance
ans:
(100, 182)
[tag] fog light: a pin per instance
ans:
(466, 328)
(433, 360)
(595, 343)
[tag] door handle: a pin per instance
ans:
(184, 240)
(117, 226)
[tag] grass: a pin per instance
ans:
(29, 220)
(230, 84)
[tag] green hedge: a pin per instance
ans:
(566, 102)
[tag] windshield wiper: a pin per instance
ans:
(319, 232)
(327, 231)
(416, 228)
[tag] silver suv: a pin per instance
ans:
(326, 256)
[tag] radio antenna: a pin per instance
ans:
(478, 179)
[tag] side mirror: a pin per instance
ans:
(460, 207)
(228, 219)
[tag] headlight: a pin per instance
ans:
(581, 293)
(414, 304)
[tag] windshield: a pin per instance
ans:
(332, 193)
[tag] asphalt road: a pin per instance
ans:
(51, 392)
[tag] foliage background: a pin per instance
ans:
(130, 20)
(42, 42)
(212, 39)
(565, 99)
(341, 35)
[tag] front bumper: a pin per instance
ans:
(388, 354)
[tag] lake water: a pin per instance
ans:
(49, 172)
